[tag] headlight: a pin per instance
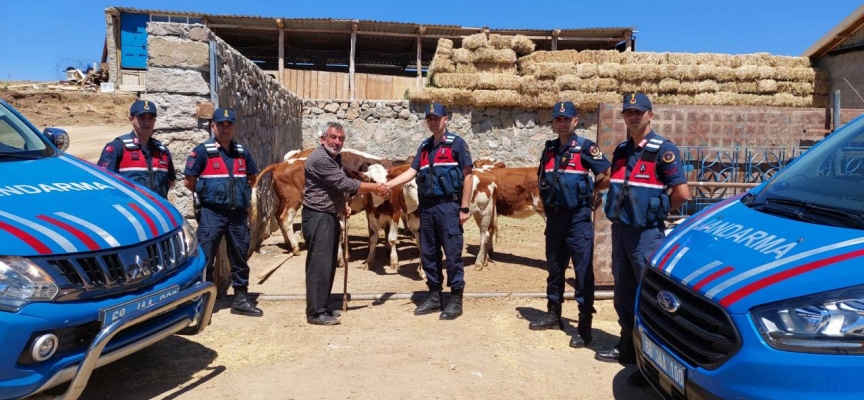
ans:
(190, 241)
(22, 282)
(831, 322)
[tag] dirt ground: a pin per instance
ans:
(381, 350)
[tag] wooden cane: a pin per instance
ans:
(345, 257)
(266, 274)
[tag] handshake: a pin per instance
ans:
(382, 190)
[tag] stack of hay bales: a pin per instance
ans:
(587, 78)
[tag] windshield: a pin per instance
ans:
(18, 138)
(827, 178)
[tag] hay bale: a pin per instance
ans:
(704, 72)
(598, 56)
(796, 74)
(463, 56)
(487, 81)
(522, 45)
(790, 100)
(569, 82)
(791, 62)
(608, 70)
(706, 86)
(492, 68)
(635, 72)
(672, 99)
(590, 84)
(630, 86)
(490, 55)
(419, 95)
(668, 85)
(539, 100)
(747, 73)
(456, 81)
(475, 41)
(587, 71)
(553, 70)
(551, 56)
(796, 88)
(536, 86)
(724, 74)
(750, 87)
(444, 44)
(608, 85)
(681, 59)
(755, 59)
(766, 86)
(441, 65)
(766, 72)
(466, 68)
(497, 98)
(731, 87)
(643, 58)
(499, 42)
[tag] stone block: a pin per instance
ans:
(175, 53)
(173, 80)
(176, 111)
(168, 29)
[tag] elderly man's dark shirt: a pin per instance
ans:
(327, 187)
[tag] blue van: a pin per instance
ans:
(762, 295)
(92, 267)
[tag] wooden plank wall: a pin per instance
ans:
(334, 85)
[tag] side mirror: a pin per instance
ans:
(58, 137)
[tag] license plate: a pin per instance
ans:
(110, 315)
(663, 361)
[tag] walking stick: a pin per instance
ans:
(345, 257)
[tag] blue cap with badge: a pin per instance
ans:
(436, 109)
(638, 101)
(223, 114)
(564, 108)
(142, 107)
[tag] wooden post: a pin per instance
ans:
(281, 51)
(420, 33)
(555, 34)
(629, 41)
(351, 61)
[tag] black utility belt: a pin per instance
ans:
(560, 210)
(221, 208)
(435, 200)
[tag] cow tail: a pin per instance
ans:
(254, 206)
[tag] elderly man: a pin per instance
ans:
(137, 155)
(443, 168)
(325, 198)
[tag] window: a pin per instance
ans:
(159, 18)
(181, 20)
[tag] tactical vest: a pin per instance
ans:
(150, 172)
(564, 182)
(440, 173)
(222, 186)
(636, 196)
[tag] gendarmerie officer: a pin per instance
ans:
(137, 155)
(568, 191)
(647, 181)
(443, 168)
(222, 173)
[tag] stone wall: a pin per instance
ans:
(178, 81)
(847, 76)
(394, 129)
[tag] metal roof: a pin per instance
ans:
(394, 43)
(834, 39)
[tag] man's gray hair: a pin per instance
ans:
(332, 125)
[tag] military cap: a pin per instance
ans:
(564, 108)
(436, 109)
(142, 107)
(223, 114)
(638, 101)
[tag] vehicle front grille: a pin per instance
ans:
(700, 331)
(113, 268)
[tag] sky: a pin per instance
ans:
(40, 38)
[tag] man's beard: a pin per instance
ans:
(332, 152)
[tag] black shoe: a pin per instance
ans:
(577, 342)
(615, 355)
(638, 380)
(431, 304)
(552, 319)
(334, 313)
(243, 306)
(323, 319)
(454, 306)
(583, 336)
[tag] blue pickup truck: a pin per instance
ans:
(92, 267)
(762, 295)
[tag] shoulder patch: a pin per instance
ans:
(595, 152)
(668, 157)
(193, 154)
(109, 148)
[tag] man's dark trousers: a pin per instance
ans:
(321, 232)
(232, 224)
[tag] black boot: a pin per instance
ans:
(243, 306)
(431, 304)
(583, 334)
(454, 306)
(552, 318)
